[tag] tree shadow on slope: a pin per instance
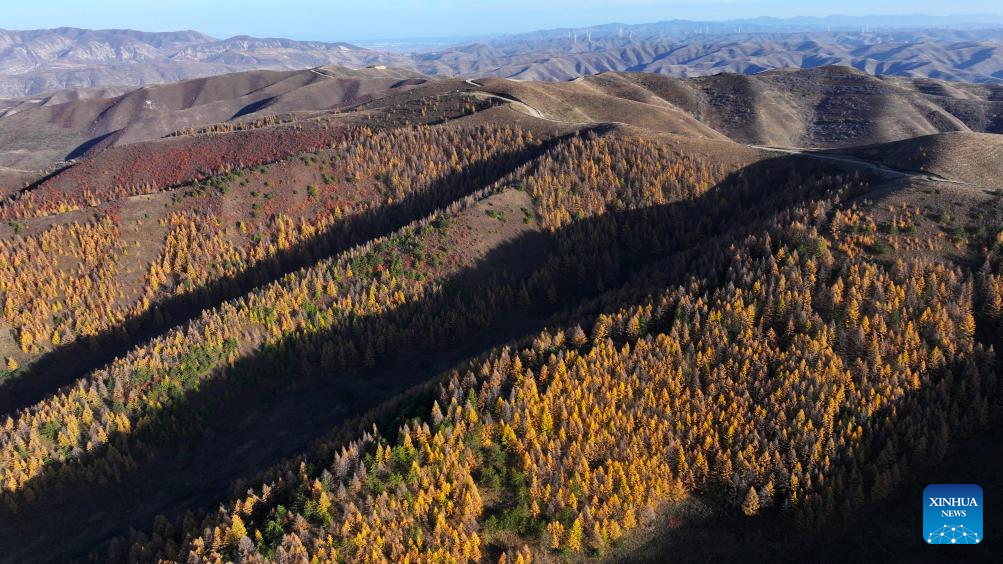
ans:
(937, 442)
(63, 365)
(277, 401)
(888, 529)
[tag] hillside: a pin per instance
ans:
(971, 158)
(376, 316)
(33, 135)
(824, 107)
(827, 107)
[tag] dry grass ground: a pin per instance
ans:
(974, 158)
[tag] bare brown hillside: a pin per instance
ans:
(819, 108)
(826, 107)
(973, 158)
(37, 135)
(589, 101)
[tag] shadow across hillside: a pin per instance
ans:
(888, 528)
(276, 402)
(63, 365)
(82, 149)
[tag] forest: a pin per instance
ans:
(518, 344)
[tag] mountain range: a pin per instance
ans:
(34, 62)
(44, 61)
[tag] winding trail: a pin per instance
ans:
(530, 110)
(887, 172)
(319, 73)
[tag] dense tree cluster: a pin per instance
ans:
(590, 175)
(332, 295)
(804, 381)
(742, 335)
(62, 282)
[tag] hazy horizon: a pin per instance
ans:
(401, 20)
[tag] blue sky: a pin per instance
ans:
(333, 20)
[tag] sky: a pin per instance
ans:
(353, 20)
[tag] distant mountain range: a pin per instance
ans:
(967, 56)
(33, 62)
(685, 28)
(44, 61)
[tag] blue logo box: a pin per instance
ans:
(952, 514)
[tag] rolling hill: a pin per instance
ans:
(824, 107)
(972, 158)
(35, 134)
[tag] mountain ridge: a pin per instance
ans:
(821, 107)
(40, 61)
(36, 62)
